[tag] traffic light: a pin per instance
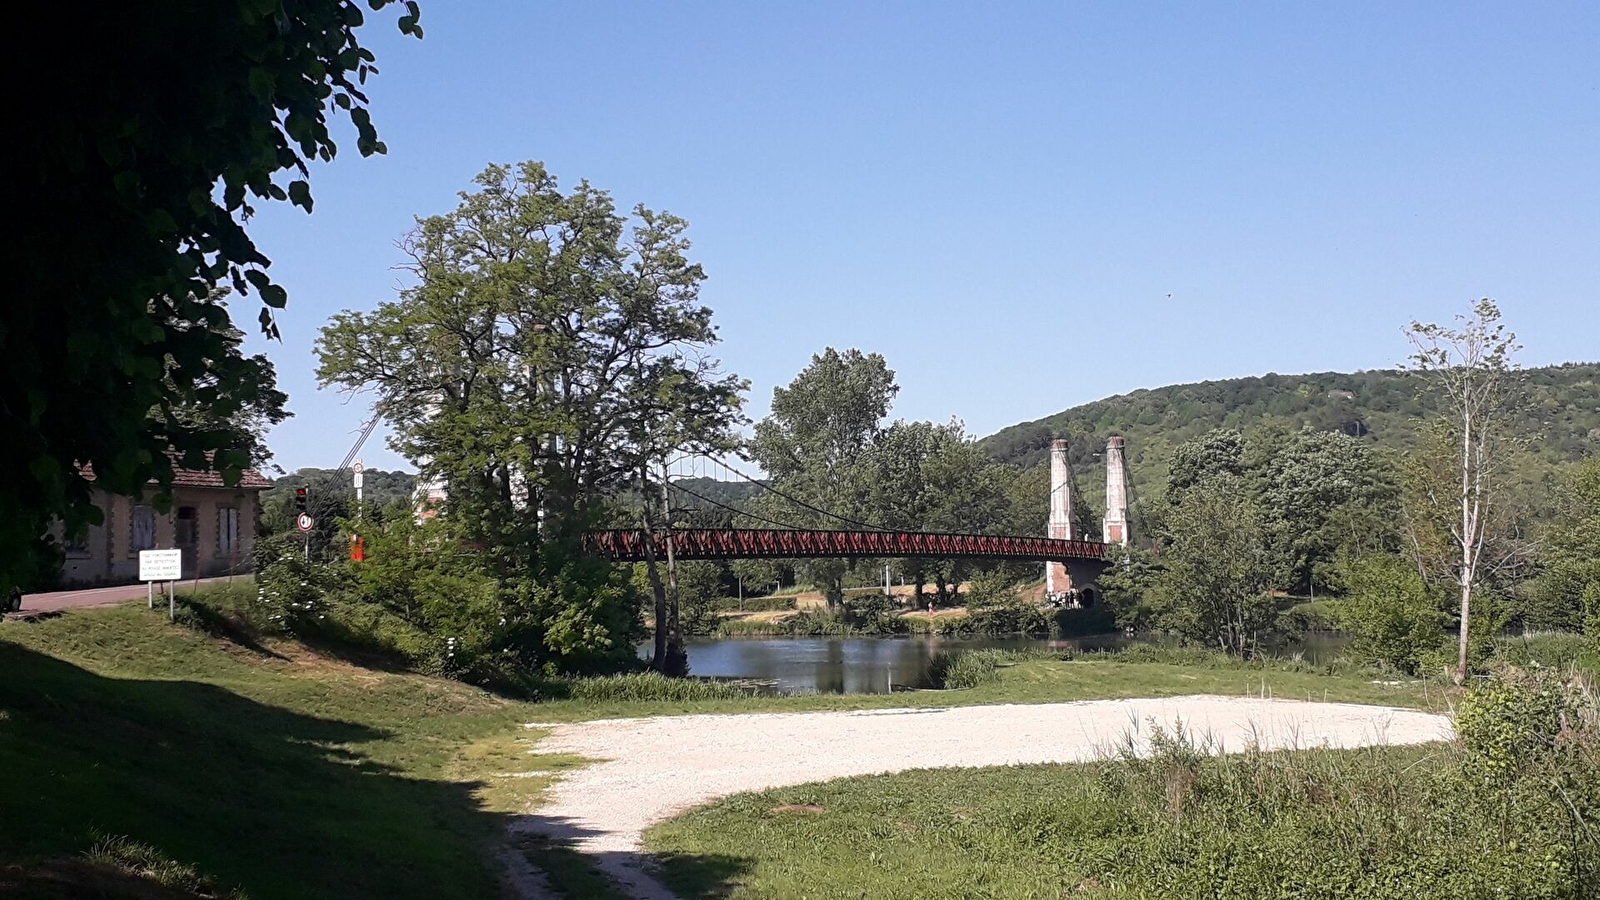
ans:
(299, 499)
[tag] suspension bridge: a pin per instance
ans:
(1072, 564)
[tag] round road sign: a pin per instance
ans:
(358, 468)
(304, 522)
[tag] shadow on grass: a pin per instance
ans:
(221, 624)
(550, 843)
(271, 801)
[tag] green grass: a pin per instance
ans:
(1312, 824)
(275, 771)
(263, 765)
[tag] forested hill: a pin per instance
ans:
(1560, 415)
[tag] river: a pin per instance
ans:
(869, 665)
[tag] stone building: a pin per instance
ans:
(213, 524)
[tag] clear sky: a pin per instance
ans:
(1024, 207)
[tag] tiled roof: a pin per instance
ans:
(249, 479)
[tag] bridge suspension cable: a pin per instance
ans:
(736, 511)
(795, 500)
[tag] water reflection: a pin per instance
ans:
(870, 665)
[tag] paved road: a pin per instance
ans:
(105, 596)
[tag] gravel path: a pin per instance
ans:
(656, 767)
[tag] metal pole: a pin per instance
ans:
(150, 590)
(172, 606)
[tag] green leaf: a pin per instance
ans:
(300, 194)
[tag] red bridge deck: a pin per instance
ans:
(628, 545)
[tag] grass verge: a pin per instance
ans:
(1383, 823)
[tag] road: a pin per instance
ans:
(55, 601)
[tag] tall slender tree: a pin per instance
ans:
(1471, 370)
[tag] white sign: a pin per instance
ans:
(160, 565)
(358, 478)
(304, 522)
(358, 468)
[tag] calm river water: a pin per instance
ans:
(868, 665)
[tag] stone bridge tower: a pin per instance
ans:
(1116, 521)
(1057, 578)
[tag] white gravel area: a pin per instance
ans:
(652, 768)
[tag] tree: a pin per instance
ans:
(1317, 493)
(1217, 570)
(1472, 376)
(135, 175)
(1391, 612)
(811, 442)
(919, 476)
(1569, 555)
(550, 354)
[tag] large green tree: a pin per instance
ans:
(1569, 555)
(1217, 568)
(134, 176)
(812, 444)
(922, 476)
(1315, 493)
(550, 354)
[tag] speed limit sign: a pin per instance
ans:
(304, 522)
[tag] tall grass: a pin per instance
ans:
(1511, 811)
(960, 670)
(651, 686)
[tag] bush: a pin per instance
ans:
(873, 613)
(291, 593)
(963, 669)
(1552, 649)
(1512, 720)
(1392, 616)
(1010, 617)
(1591, 616)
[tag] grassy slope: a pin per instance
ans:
(288, 777)
(290, 774)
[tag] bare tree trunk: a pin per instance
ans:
(676, 661)
(1466, 538)
(658, 659)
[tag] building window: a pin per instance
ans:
(143, 529)
(186, 534)
(227, 530)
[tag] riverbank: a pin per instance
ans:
(329, 764)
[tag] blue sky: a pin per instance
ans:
(1024, 207)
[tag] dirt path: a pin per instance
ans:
(654, 768)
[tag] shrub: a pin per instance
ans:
(873, 613)
(962, 669)
(1553, 649)
(290, 592)
(1512, 720)
(1013, 616)
(1591, 616)
(1391, 615)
